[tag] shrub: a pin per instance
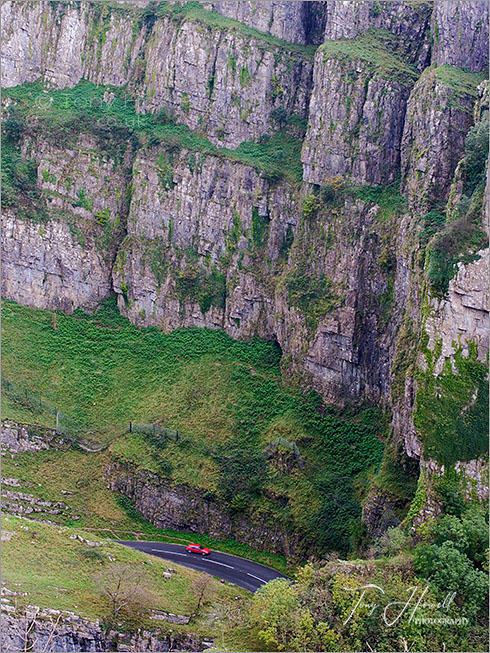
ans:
(311, 204)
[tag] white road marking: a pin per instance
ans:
(261, 579)
(174, 553)
(219, 563)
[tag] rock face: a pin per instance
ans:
(356, 118)
(183, 508)
(66, 261)
(52, 630)
(460, 34)
(238, 83)
(19, 438)
(297, 22)
(462, 317)
(433, 145)
(45, 268)
(62, 44)
(409, 22)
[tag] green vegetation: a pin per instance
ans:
(391, 203)
(19, 180)
(372, 50)
(117, 125)
(451, 414)
(313, 294)
(165, 171)
(208, 289)
(219, 394)
(464, 83)
(341, 606)
(58, 572)
(102, 512)
(259, 228)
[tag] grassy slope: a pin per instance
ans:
(79, 109)
(46, 473)
(103, 372)
(60, 573)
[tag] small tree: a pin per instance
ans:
(202, 589)
(123, 585)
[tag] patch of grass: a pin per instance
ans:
(314, 295)
(388, 198)
(104, 513)
(372, 51)
(60, 573)
(64, 114)
(451, 412)
(464, 83)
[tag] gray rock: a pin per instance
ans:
(460, 34)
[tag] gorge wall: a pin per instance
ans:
(364, 109)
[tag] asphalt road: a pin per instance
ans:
(240, 571)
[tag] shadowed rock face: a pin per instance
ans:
(297, 22)
(329, 267)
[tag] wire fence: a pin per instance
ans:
(66, 427)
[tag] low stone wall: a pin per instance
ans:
(182, 508)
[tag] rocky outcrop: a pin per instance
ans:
(472, 481)
(409, 22)
(54, 630)
(190, 258)
(461, 317)
(21, 503)
(182, 508)
(223, 81)
(439, 115)
(65, 42)
(65, 260)
(460, 34)
(356, 114)
(19, 438)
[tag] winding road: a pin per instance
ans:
(240, 571)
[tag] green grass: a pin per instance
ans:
(464, 83)
(391, 203)
(60, 573)
(371, 50)
(82, 109)
(194, 11)
(226, 399)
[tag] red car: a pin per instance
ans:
(197, 548)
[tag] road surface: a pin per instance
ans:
(240, 571)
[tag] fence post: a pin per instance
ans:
(57, 420)
(130, 427)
